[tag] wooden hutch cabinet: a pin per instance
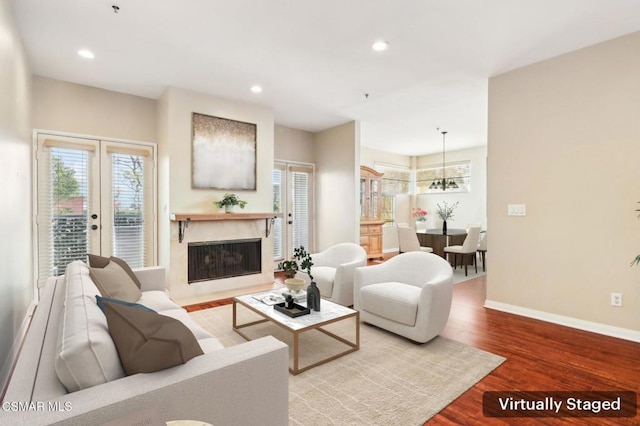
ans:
(370, 207)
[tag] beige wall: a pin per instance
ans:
(175, 108)
(84, 110)
(16, 282)
(370, 157)
(337, 158)
(564, 139)
(293, 145)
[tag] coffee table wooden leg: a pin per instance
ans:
(235, 318)
(295, 353)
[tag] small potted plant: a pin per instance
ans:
(229, 202)
(301, 262)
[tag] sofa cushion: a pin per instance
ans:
(86, 355)
(101, 301)
(158, 301)
(149, 342)
(183, 316)
(96, 261)
(392, 300)
(113, 281)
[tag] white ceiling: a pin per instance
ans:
(313, 58)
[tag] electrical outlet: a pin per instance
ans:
(616, 299)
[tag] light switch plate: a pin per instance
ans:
(517, 209)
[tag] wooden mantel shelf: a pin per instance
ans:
(221, 216)
(183, 219)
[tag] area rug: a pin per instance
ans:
(459, 276)
(389, 381)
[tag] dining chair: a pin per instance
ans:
(408, 240)
(482, 249)
(468, 249)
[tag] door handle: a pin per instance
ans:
(94, 227)
(94, 216)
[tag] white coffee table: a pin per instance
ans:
(329, 313)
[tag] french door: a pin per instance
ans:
(293, 197)
(93, 196)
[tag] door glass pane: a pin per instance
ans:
(373, 194)
(301, 209)
(62, 211)
(363, 198)
(277, 230)
(128, 200)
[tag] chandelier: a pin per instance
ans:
(443, 183)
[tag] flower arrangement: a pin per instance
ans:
(301, 262)
(419, 214)
(446, 212)
(230, 200)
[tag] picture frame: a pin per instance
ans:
(223, 153)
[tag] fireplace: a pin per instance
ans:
(212, 260)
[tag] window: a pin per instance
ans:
(394, 181)
(293, 197)
(93, 196)
(457, 176)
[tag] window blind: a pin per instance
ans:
(277, 232)
(301, 207)
(394, 181)
(459, 172)
(63, 206)
(129, 206)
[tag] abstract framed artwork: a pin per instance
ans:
(223, 153)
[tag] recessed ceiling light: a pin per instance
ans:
(380, 46)
(85, 53)
(256, 89)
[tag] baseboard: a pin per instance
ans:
(10, 361)
(594, 327)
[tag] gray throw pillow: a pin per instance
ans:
(147, 341)
(112, 281)
(96, 261)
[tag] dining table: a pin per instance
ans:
(437, 239)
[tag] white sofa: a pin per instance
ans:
(246, 384)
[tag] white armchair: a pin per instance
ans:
(410, 295)
(332, 271)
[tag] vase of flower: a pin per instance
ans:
(446, 213)
(419, 214)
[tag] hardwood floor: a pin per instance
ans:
(540, 357)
